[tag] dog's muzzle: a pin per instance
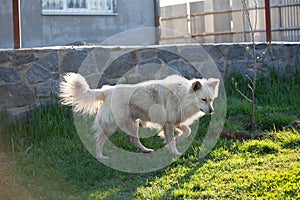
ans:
(208, 112)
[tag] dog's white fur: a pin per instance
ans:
(168, 104)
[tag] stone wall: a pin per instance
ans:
(30, 77)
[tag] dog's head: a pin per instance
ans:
(206, 90)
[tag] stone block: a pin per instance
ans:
(23, 58)
(37, 74)
(147, 54)
(150, 61)
(47, 89)
(167, 56)
(279, 52)
(9, 75)
(184, 68)
(121, 65)
(49, 62)
(194, 53)
(4, 57)
(235, 51)
(213, 51)
(23, 67)
(95, 62)
(145, 70)
(72, 60)
(16, 95)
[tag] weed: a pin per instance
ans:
(259, 147)
(277, 101)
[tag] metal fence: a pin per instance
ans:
(212, 21)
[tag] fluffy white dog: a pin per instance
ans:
(168, 104)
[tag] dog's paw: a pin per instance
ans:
(174, 151)
(102, 157)
(148, 150)
(177, 154)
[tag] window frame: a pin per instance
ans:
(80, 11)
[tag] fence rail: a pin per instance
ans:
(210, 21)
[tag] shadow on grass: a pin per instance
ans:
(51, 162)
(46, 158)
(182, 179)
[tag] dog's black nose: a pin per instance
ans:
(208, 112)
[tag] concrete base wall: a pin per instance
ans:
(30, 77)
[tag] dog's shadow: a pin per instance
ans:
(112, 183)
(122, 185)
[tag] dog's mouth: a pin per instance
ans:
(207, 113)
(204, 111)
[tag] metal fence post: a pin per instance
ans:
(16, 23)
(268, 21)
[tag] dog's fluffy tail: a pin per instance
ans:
(75, 91)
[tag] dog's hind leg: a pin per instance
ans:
(169, 135)
(133, 130)
(185, 132)
(103, 133)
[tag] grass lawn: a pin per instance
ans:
(45, 158)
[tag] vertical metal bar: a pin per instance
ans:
(279, 35)
(292, 15)
(188, 19)
(268, 21)
(297, 36)
(157, 20)
(156, 14)
(16, 23)
(283, 21)
(244, 26)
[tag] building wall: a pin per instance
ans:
(40, 30)
(6, 24)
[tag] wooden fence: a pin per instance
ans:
(211, 21)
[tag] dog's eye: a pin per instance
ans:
(205, 100)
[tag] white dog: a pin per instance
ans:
(168, 104)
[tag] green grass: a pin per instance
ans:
(277, 102)
(45, 158)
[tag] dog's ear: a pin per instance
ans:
(214, 84)
(196, 86)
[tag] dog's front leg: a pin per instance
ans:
(169, 135)
(185, 132)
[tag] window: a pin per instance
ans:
(78, 7)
